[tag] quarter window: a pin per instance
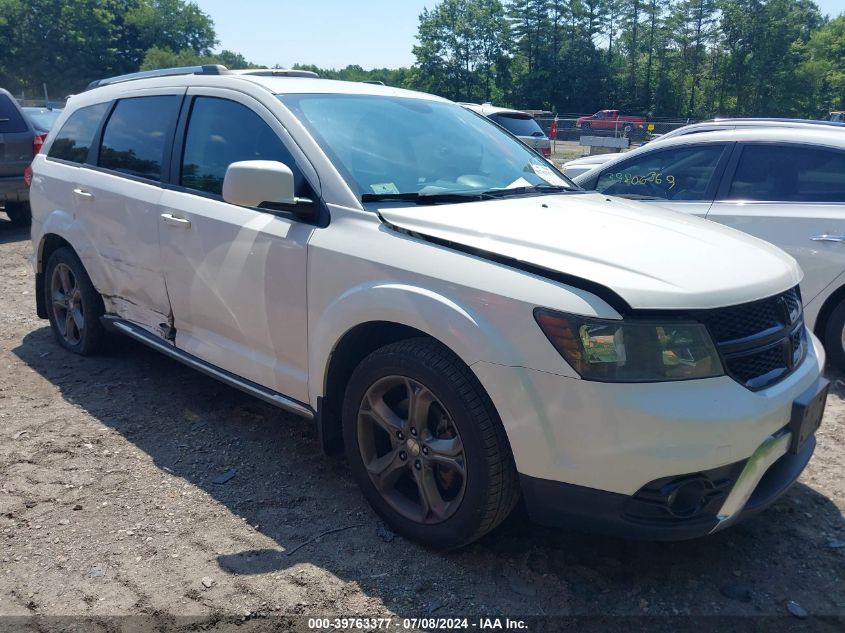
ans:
(221, 132)
(136, 135)
(682, 173)
(789, 174)
(74, 139)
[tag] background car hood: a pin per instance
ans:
(653, 258)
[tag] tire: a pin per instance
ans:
(458, 414)
(834, 331)
(74, 307)
(586, 127)
(19, 213)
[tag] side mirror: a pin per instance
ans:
(252, 183)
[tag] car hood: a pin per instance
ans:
(651, 257)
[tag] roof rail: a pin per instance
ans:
(277, 72)
(208, 69)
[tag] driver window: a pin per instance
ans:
(221, 132)
(674, 174)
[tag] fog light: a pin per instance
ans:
(688, 498)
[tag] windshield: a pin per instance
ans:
(392, 146)
(518, 125)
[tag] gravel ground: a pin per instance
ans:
(117, 497)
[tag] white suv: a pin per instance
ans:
(436, 297)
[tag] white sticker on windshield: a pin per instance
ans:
(384, 187)
(519, 182)
(548, 175)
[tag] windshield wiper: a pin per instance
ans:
(520, 191)
(425, 198)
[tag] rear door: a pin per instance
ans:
(791, 195)
(683, 178)
(117, 202)
(15, 139)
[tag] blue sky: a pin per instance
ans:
(332, 33)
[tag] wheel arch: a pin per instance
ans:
(829, 305)
(354, 346)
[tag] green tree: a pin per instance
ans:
(461, 46)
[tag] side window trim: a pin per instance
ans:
(94, 150)
(730, 171)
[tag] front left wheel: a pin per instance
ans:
(74, 306)
(426, 445)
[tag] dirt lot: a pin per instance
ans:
(114, 499)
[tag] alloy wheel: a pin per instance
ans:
(411, 449)
(66, 297)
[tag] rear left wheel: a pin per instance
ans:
(426, 445)
(74, 306)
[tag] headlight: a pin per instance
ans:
(631, 351)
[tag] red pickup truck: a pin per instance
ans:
(611, 120)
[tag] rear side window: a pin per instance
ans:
(221, 132)
(136, 135)
(74, 139)
(518, 125)
(682, 173)
(783, 173)
(11, 120)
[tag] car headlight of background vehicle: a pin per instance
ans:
(631, 351)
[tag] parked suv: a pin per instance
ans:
(443, 304)
(521, 124)
(19, 142)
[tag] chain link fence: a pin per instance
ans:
(569, 128)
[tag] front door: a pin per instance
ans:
(235, 275)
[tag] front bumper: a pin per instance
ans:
(593, 452)
(641, 516)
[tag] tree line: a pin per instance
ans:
(661, 58)
(678, 58)
(68, 44)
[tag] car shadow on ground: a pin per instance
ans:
(11, 232)
(196, 429)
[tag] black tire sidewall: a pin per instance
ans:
(92, 304)
(463, 524)
(833, 337)
(18, 213)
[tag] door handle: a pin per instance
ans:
(828, 238)
(172, 220)
(83, 194)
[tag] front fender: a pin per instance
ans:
(461, 328)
